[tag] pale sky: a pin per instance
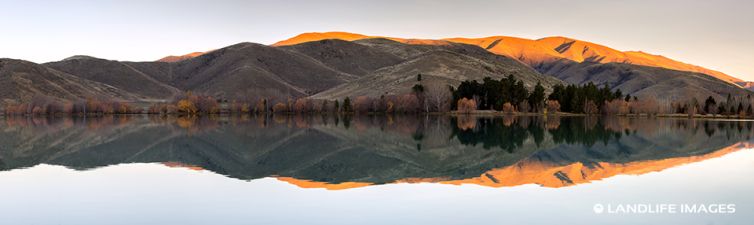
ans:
(715, 34)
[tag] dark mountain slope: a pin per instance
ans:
(20, 81)
(348, 57)
(645, 81)
(117, 74)
(249, 67)
(445, 64)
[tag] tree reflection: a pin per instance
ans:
(509, 133)
(371, 149)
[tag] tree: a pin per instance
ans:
(722, 110)
(347, 108)
(553, 106)
(647, 106)
(524, 107)
(590, 107)
(537, 98)
(302, 105)
(187, 107)
(245, 108)
(280, 108)
(616, 106)
(466, 105)
(363, 104)
(438, 96)
(691, 111)
(206, 104)
(390, 106)
(418, 91)
(740, 110)
(406, 103)
(508, 108)
(261, 106)
(324, 108)
(417, 88)
(710, 105)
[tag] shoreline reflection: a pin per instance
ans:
(355, 151)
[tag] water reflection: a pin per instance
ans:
(347, 152)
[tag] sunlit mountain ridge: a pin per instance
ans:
(535, 52)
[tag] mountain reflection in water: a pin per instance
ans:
(347, 152)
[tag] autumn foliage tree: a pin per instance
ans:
(553, 106)
(508, 108)
(186, 106)
(466, 105)
(280, 108)
(363, 104)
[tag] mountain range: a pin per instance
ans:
(338, 64)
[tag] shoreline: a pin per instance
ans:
(482, 113)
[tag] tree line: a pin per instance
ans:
(508, 95)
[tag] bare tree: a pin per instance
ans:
(438, 97)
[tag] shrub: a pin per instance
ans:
(406, 104)
(207, 105)
(185, 106)
(466, 105)
(389, 107)
(508, 108)
(614, 107)
(590, 107)
(280, 108)
(302, 105)
(553, 106)
(363, 104)
(261, 106)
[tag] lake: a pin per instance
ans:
(375, 170)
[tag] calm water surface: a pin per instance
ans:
(373, 170)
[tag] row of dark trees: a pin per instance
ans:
(493, 132)
(502, 95)
(510, 95)
(586, 98)
(732, 106)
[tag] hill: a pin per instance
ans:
(20, 81)
(536, 52)
(337, 65)
(546, 50)
(569, 59)
(256, 70)
(121, 75)
(438, 64)
(176, 58)
(645, 81)
(349, 57)
(247, 68)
